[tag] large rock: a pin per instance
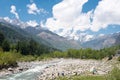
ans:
(10, 69)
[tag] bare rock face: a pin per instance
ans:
(103, 41)
(110, 41)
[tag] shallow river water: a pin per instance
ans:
(30, 74)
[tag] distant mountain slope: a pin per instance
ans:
(53, 39)
(104, 41)
(13, 34)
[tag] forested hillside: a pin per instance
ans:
(12, 34)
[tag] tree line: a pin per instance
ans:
(87, 53)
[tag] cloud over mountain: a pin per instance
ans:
(32, 23)
(106, 13)
(67, 14)
(68, 17)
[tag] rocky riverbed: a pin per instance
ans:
(68, 67)
(22, 66)
(63, 67)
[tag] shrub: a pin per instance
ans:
(114, 74)
(27, 58)
(8, 59)
(118, 58)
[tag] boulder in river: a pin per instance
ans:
(10, 69)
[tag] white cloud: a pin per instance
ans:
(33, 9)
(32, 23)
(68, 15)
(13, 11)
(107, 12)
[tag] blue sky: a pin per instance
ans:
(22, 9)
(85, 16)
(91, 4)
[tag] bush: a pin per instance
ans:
(87, 53)
(44, 57)
(118, 58)
(27, 58)
(8, 59)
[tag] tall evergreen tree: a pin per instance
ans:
(2, 38)
(33, 46)
(5, 45)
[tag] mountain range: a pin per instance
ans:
(16, 30)
(103, 41)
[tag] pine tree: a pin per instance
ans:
(5, 45)
(2, 38)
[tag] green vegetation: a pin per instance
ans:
(119, 58)
(27, 58)
(32, 48)
(6, 45)
(85, 53)
(12, 33)
(113, 75)
(1, 38)
(21, 51)
(24, 52)
(82, 78)
(8, 59)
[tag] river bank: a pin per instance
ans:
(24, 66)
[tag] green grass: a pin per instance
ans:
(113, 75)
(83, 78)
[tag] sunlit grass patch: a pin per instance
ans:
(82, 78)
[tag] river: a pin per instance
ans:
(30, 74)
